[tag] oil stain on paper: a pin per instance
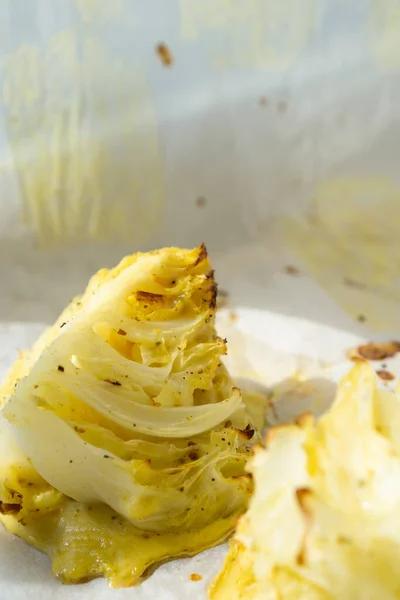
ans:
(254, 33)
(87, 154)
(349, 242)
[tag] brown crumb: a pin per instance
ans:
(164, 54)
(361, 318)
(121, 332)
(291, 270)
(385, 375)
(60, 368)
(233, 317)
(201, 201)
(263, 101)
(375, 351)
(353, 283)
(195, 577)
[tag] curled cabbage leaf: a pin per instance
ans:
(126, 403)
(324, 520)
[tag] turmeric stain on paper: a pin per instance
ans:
(348, 240)
(384, 32)
(255, 33)
(86, 153)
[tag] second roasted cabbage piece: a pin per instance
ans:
(126, 427)
(324, 520)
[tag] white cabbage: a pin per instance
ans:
(324, 521)
(126, 401)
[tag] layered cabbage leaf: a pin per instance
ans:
(126, 438)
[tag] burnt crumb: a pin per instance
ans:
(79, 429)
(164, 54)
(291, 270)
(113, 518)
(7, 508)
(181, 489)
(191, 443)
(376, 351)
(35, 386)
(112, 382)
(60, 368)
(361, 318)
(106, 456)
(121, 332)
(385, 375)
(201, 201)
(248, 432)
(210, 274)
(193, 455)
(63, 324)
(71, 461)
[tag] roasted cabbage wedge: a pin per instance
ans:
(125, 440)
(324, 521)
